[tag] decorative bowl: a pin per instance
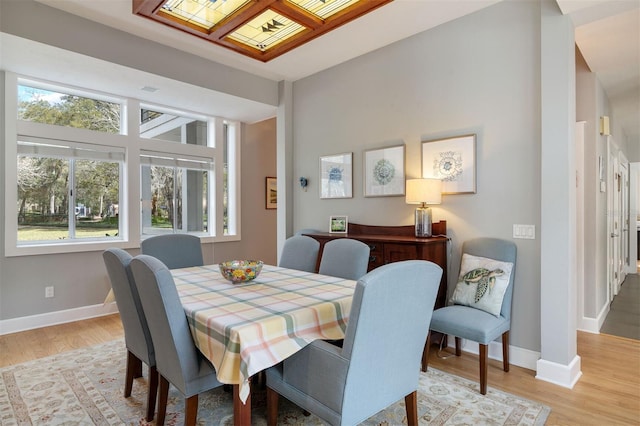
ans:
(240, 271)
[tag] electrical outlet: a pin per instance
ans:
(48, 291)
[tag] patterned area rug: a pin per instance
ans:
(85, 386)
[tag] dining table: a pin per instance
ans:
(245, 328)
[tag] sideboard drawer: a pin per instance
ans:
(376, 255)
(399, 252)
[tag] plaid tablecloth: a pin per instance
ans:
(245, 328)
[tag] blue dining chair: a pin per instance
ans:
(386, 332)
(136, 331)
(465, 322)
(300, 252)
(179, 362)
(174, 250)
(345, 258)
(306, 231)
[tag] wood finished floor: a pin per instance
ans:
(608, 392)
(623, 318)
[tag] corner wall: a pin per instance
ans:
(478, 74)
(258, 223)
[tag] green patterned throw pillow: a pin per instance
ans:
(482, 283)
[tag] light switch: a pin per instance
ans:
(527, 232)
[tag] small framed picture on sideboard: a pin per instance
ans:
(338, 224)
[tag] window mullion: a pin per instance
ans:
(71, 205)
(175, 200)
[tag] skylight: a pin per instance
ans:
(260, 29)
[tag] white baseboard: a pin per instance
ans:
(593, 325)
(15, 325)
(603, 315)
(520, 357)
(590, 325)
(563, 375)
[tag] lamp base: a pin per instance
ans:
(423, 222)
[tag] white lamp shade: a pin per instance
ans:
(428, 191)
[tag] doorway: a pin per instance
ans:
(617, 218)
(623, 289)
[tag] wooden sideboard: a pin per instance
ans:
(395, 243)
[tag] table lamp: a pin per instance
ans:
(423, 192)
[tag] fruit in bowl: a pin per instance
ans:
(240, 271)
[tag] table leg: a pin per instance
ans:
(241, 412)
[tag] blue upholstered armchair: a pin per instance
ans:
(174, 250)
(345, 258)
(387, 329)
(178, 361)
(304, 231)
(136, 331)
(467, 322)
(300, 252)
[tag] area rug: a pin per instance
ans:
(85, 387)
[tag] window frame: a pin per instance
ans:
(130, 192)
(118, 157)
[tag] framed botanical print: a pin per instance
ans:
(452, 160)
(336, 176)
(384, 172)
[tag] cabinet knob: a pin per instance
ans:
(372, 247)
(372, 259)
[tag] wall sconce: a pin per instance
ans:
(304, 182)
(423, 192)
(604, 126)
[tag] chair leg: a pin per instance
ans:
(425, 353)
(153, 393)
(163, 396)
(191, 410)
(458, 346)
(483, 368)
(411, 402)
(505, 351)
(272, 407)
(134, 369)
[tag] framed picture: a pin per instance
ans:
(336, 176)
(384, 172)
(453, 160)
(271, 192)
(338, 224)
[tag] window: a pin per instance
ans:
(54, 107)
(174, 194)
(230, 179)
(84, 175)
(67, 191)
(174, 183)
(172, 128)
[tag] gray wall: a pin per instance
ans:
(80, 279)
(591, 104)
(479, 74)
(258, 223)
